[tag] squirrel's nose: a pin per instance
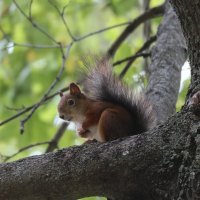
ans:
(62, 116)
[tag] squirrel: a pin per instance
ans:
(106, 109)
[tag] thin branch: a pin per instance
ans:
(53, 144)
(152, 13)
(31, 107)
(15, 109)
(30, 19)
(147, 24)
(144, 46)
(30, 9)
(75, 39)
(4, 34)
(16, 115)
(64, 57)
(137, 55)
(24, 149)
(44, 46)
(102, 30)
(38, 46)
(147, 29)
(61, 13)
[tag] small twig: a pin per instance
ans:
(152, 13)
(102, 30)
(146, 33)
(61, 13)
(16, 115)
(37, 46)
(84, 36)
(53, 144)
(4, 34)
(15, 109)
(23, 149)
(144, 46)
(147, 24)
(65, 56)
(144, 55)
(30, 19)
(30, 107)
(30, 9)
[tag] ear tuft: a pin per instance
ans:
(74, 89)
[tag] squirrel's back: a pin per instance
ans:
(100, 84)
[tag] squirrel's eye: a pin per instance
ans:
(70, 102)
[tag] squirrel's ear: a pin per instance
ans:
(74, 89)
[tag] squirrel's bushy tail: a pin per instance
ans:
(101, 84)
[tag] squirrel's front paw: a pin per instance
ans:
(83, 133)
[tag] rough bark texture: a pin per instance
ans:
(168, 57)
(188, 13)
(145, 166)
(163, 163)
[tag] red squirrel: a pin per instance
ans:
(107, 109)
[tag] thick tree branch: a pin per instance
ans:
(141, 161)
(168, 57)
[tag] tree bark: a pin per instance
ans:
(188, 13)
(145, 166)
(163, 163)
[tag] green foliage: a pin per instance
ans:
(26, 72)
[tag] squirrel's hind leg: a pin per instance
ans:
(114, 124)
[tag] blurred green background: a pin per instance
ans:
(27, 72)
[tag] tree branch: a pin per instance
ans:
(153, 12)
(64, 58)
(146, 45)
(168, 57)
(137, 55)
(100, 169)
(34, 24)
(6, 158)
(61, 14)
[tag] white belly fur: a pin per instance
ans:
(94, 134)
